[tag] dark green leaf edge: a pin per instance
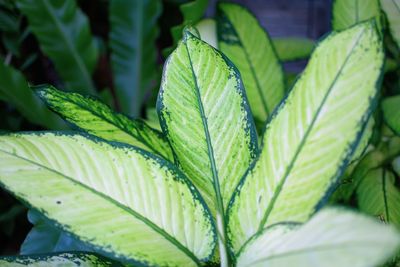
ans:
(178, 175)
(350, 151)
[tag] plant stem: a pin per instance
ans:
(223, 253)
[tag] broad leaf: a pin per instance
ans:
(312, 136)
(45, 238)
(15, 90)
(139, 193)
(133, 52)
(61, 259)
(347, 13)
(290, 49)
(204, 112)
(205, 115)
(248, 45)
(377, 195)
(391, 113)
(333, 237)
(64, 36)
(98, 119)
(392, 10)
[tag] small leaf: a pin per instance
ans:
(290, 49)
(64, 35)
(59, 259)
(248, 45)
(391, 113)
(333, 237)
(91, 183)
(378, 196)
(133, 52)
(347, 13)
(98, 119)
(313, 135)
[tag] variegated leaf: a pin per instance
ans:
(98, 119)
(205, 115)
(333, 237)
(248, 45)
(312, 136)
(119, 200)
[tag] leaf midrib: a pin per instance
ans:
(135, 214)
(74, 53)
(303, 141)
(216, 185)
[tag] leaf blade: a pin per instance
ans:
(333, 237)
(290, 49)
(15, 90)
(378, 196)
(301, 137)
(73, 51)
(347, 13)
(248, 45)
(98, 119)
(133, 52)
(140, 233)
(211, 121)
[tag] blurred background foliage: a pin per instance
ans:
(114, 50)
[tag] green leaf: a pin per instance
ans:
(311, 138)
(347, 13)
(378, 196)
(133, 52)
(208, 31)
(192, 11)
(205, 115)
(15, 90)
(391, 113)
(290, 49)
(91, 183)
(392, 10)
(58, 259)
(98, 119)
(64, 36)
(45, 238)
(248, 45)
(333, 237)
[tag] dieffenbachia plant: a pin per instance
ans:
(203, 191)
